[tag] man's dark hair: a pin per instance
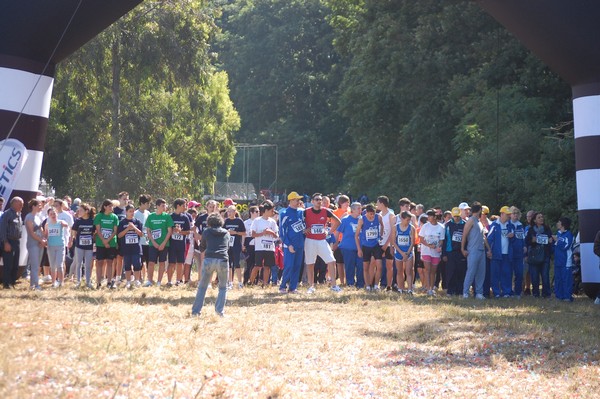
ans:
(144, 199)
(214, 220)
(384, 200)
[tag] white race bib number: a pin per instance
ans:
(53, 231)
(354, 226)
(371, 233)
(268, 245)
(403, 241)
(298, 226)
(317, 229)
(85, 240)
(541, 239)
(178, 237)
(231, 241)
(156, 234)
(457, 236)
(106, 233)
(132, 239)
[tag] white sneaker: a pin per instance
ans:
(47, 278)
(310, 290)
(376, 288)
(368, 288)
(465, 295)
(597, 301)
(128, 286)
(137, 283)
(56, 284)
(479, 296)
(148, 283)
(240, 286)
(336, 288)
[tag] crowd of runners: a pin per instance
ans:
(317, 241)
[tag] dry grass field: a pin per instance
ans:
(143, 343)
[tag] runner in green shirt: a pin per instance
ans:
(106, 223)
(159, 226)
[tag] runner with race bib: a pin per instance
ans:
(130, 233)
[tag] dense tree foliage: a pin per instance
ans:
(431, 99)
(141, 108)
(284, 77)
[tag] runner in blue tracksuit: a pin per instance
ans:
(500, 236)
(563, 261)
(291, 232)
(518, 250)
(352, 263)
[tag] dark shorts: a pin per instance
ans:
(337, 254)
(234, 257)
(388, 253)
(134, 261)
(154, 255)
(176, 255)
(369, 252)
(264, 258)
(103, 253)
(145, 252)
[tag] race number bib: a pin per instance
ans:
(132, 239)
(541, 239)
(519, 235)
(106, 233)
(156, 234)
(298, 226)
(354, 226)
(85, 240)
(231, 241)
(268, 245)
(178, 237)
(457, 236)
(371, 233)
(317, 229)
(403, 241)
(54, 231)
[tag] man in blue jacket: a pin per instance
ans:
(291, 232)
(500, 237)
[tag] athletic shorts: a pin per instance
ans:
(176, 255)
(234, 257)
(154, 255)
(369, 252)
(388, 253)
(398, 256)
(130, 261)
(337, 254)
(314, 248)
(434, 260)
(103, 253)
(264, 258)
(145, 251)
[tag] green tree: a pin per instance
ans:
(142, 108)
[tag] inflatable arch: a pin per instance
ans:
(564, 34)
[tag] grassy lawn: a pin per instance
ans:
(144, 344)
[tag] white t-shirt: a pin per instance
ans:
(248, 226)
(142, 216)
(431, 234)
(66, 216)
(266, 242)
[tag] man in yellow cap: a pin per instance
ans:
(291, 232)
(500, 237)
(456, 262)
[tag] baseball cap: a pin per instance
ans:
(294, 195)
(41, 198)
(456, 211)
(228, 202)
(193, 204)
(463, 205)
(506, 209)
(485, 209)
